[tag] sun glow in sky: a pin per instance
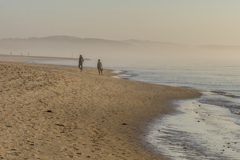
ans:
(181, 21)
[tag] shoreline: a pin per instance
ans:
(103, 116)
(26, 58)
(196, 131)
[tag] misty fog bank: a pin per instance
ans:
(72, 47)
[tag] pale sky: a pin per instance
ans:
(193, 22)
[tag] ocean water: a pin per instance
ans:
(203, 128)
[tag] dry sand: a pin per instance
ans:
(58, 112)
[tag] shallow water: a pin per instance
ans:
(197, 131)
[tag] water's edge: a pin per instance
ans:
(177, 142)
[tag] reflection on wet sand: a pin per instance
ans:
(197, 131)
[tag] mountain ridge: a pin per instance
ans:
(70, 46)
(65, 37)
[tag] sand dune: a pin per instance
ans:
(50, 111)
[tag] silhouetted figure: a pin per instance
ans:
(80, 63)
(99, 67)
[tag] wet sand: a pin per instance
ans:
(197, 131)
(50, 111)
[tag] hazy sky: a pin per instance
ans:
(180, 21)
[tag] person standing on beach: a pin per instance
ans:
(80, 63)
(99, 67)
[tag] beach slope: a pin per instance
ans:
(50, 111)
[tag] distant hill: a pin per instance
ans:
(93, 48)
(219, 47)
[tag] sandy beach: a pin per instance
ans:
(58, 112)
